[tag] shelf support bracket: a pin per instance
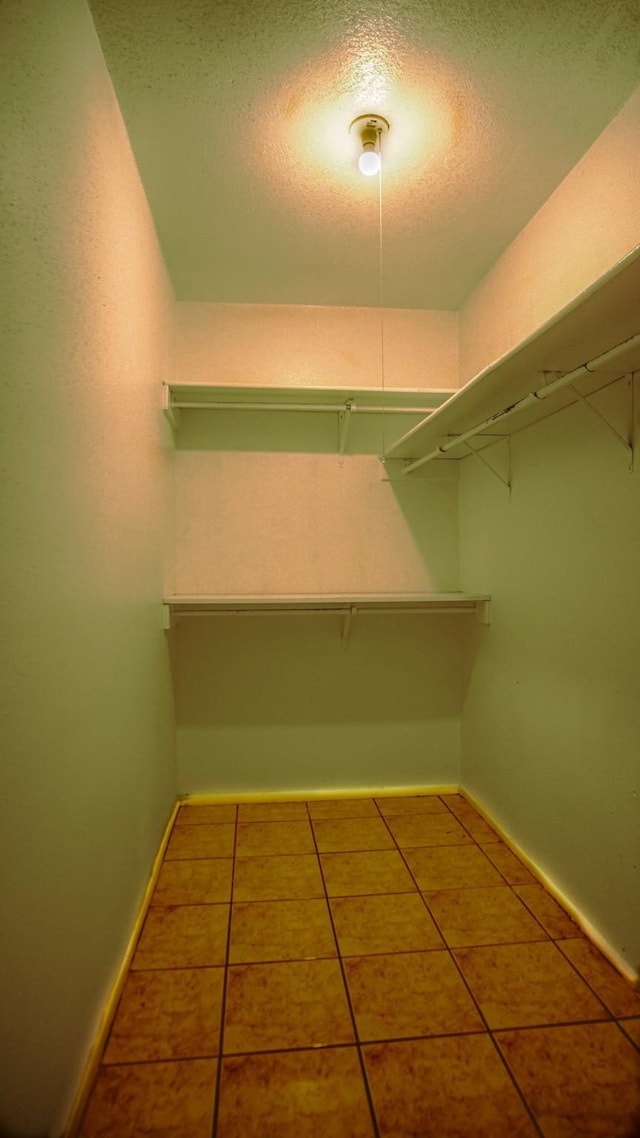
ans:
(171, 413)
(346, 624)
(626, 443)
(166, 617)
(344, 422)
(485, 462)
(483, 612)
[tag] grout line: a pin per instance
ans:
(163, 1059)
(620, 1025)
(511, 1075)
(444, 947)
(551, 1026)
(535, 917)
(363, 1069)
(357, 1045)
(319, 896)
(588, 983)
(368, 1042)
(223, 1008)
(475, 1002)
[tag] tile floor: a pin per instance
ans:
(362, 969)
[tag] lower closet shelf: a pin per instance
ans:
(347, 605)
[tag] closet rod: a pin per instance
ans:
(313, 407)
(323, 612)
(553, 322)
(532, 398)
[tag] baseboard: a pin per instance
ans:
(565, 902)
(79, 1104)
(311, 795)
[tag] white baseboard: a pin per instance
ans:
(565, 902)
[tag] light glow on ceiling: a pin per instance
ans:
(310, 148)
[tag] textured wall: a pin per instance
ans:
(88, 763)
(309, 523)
(589, 224)
(552, 719)
(268, 704)
(306, 346)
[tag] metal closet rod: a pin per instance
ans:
(313, 407)
(354, 609)
(532, 398)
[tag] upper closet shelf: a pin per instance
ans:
(345, 403)
(345, 604)
(592, 343)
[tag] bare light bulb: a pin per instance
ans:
(369, 162)
(370, 129)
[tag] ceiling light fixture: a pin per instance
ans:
(369, 129)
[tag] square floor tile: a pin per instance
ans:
(411, 804)
(205, 881)
(511, 868)
(612, 988)
(451, 867)
(174, 1100)
(521, 985)
(427, 830)
(200, 841)
(376, 871)
(454, 1087)
(334, 835)
(207, 815)
(260, 838)
(483, 916)
(387, 922)
(299, 1094)
(407, 994)
(551, 916)
(187, 936)
(272, 811)
(343, 808)
(578, 1080)
(280, 930)
(298, 1004)
(278, 878)
(173, 1014)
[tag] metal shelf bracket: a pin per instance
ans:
(344, 422)
(171, 413)
(483, 612)
(346, 624)
(485, 462)
(628, 442)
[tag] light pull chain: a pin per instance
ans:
(381, 303)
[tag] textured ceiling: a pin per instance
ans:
(238, 113)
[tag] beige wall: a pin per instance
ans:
(88, 762)
(589, 223)
(551, 721)
(276, 703)
(258, 522)
(306, 346)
